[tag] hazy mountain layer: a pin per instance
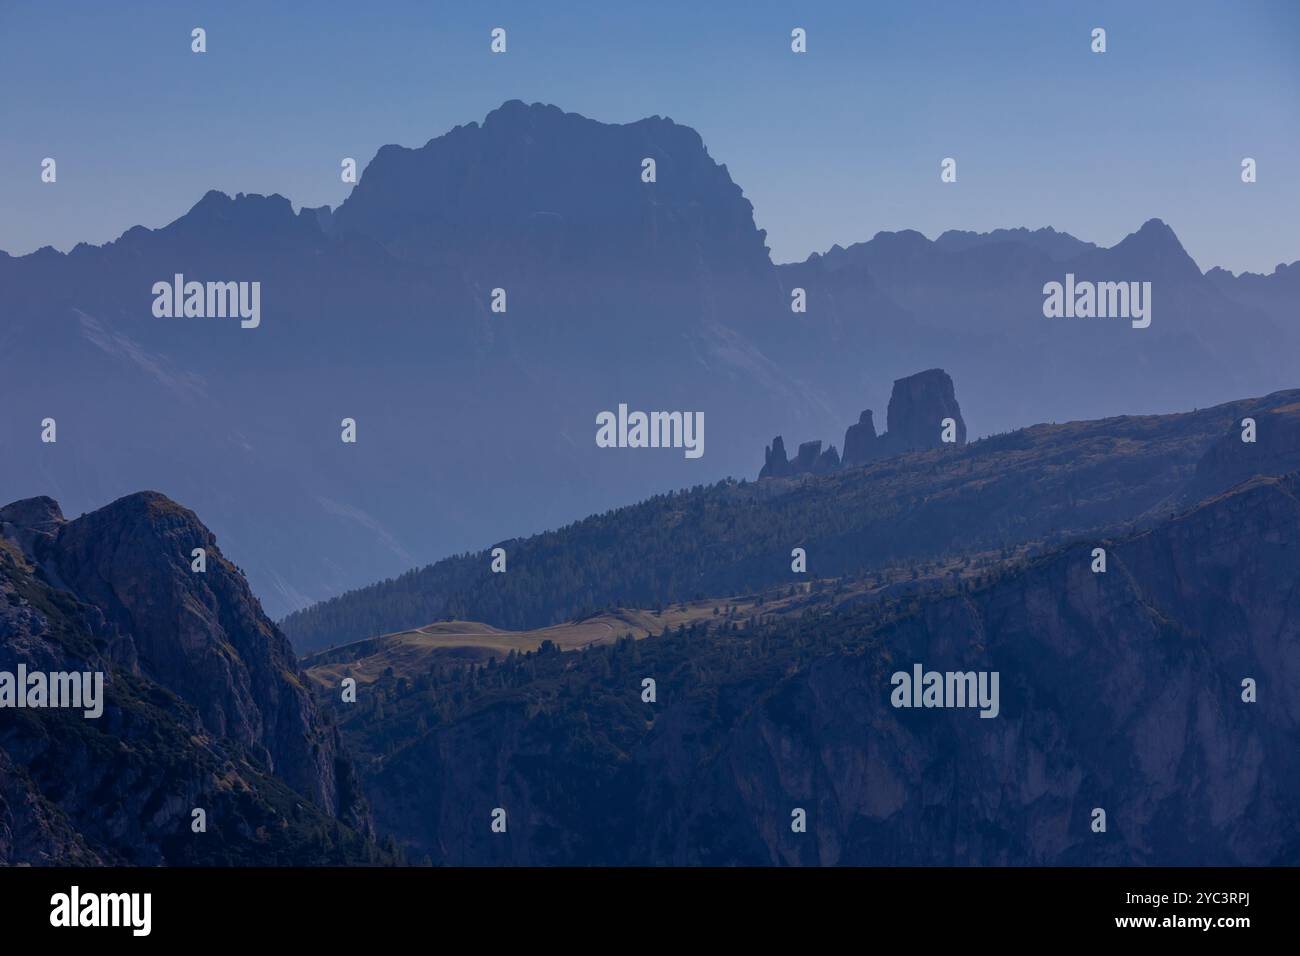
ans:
(474, 425)
(1160, 690)
(1029, 487)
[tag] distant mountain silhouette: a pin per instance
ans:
(539, 189)
(661, 295)
(1057, 245)
(1275, 294)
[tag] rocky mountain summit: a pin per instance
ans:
(918, 407)
(205, 706)
(534, 183)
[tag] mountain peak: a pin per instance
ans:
(514, 112)
(1154, 232)
(216, 204)
(536, 183)
(202, 634)
(1158, 247)
(149, 503)
(28, 512)
(29, 520)
(1156, 226)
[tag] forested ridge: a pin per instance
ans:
(1040, 484)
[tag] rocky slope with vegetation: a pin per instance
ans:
(1120, 691)
(204, 704)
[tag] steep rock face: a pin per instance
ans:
(1120, 690)
(810, 460)
(204, 701)
(33, 830)
(1274, 451)
(917, 406)
(119, 789)
(775, 462)
(32, 519)
(860, 441)
(202, 635)
(809, 452)
(827, 462)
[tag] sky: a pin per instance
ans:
(830, 146)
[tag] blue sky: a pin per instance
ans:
(830, 147)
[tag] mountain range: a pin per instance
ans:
(1122, 686)
(660, 295)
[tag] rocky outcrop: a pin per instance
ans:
(32, 519)
(860, 441)
(775, 462)
(810, 460)
(205, 703)
(201, 635)
(1047, 483)
(826, 462)
(920, 406)
(1121, 690)
(809, 452)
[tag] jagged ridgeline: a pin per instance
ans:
(1030, 487)
(923, 413)
(204, 707)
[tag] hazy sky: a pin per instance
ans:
(831, 146)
